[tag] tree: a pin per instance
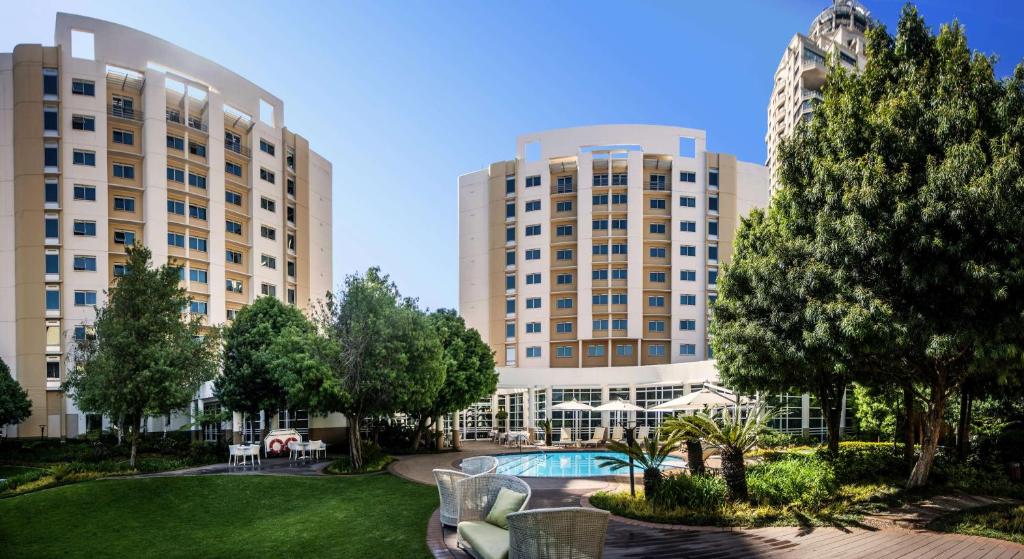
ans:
(253, 377)
(876, 411)
(648, 455)
(15, 405)
(731, 434)
(469, 373)
(911, 175)
(145, 358)
(375, 354)
(785, 321)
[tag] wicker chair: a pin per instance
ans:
(476, 496)
(558, 533)
(479, 465)
(446, 480)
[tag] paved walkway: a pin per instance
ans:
(268, 466)
(633, 539)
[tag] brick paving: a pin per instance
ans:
(898, 535)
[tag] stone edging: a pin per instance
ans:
(585, 502)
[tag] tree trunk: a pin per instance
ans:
(133, 457)
(963, 428)
(833, 423)
(421, 427)
(265, 426)
(355, 443)
(908, 431)
(652, 479)
(694, 457)
(735, 474)
(932, 424)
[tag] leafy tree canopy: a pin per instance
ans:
(15, 405)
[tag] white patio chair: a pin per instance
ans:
(597, 439)
(642, 432)
(476, 495)
(618, 434)
(446, 480)
(254, 452)
(294, 450)
(233, 454)
(557, 533)
(318, 448)
(565, 438)
(477, 465)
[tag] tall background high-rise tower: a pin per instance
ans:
(837, 31)
(113, 136)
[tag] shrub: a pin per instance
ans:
(775, 439)
(701, 492)
(807, 482)
(867, 462)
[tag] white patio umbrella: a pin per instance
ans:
(699, 400)
(575, 406)
(618, 405)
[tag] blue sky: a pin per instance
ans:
(405, 96)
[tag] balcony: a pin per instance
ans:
(129, 114)
(237, 148)
(656, 186)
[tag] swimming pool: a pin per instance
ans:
(567, 464)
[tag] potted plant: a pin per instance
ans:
(546, 425)
(500, 418)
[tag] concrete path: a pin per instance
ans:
(634, 539)
(268, 466)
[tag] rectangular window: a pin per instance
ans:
(510, 234)
(620, 179)
(619, 199)
(533, 206)
(87, 193)
(268, 232)
(52, 370)
(687, 349)
(600, 180)
(656, 350)
(232, 257)
(85, 298)
(233, 198)
(289, 241)
(176, 207)
(84, 228)
(564, 231)
(266, 147)
(532, 279)
(688, 226)
(120, 270)
(600, 200)
(657, 228)
(619, 273)
(656, 277)
(599, 225)
(533, 181)
(123, 137)
(175, 174)
(713, 277)
(52, 298)
(564, 303)
(657, 252)
(687, 202)
(52, 262)
(656, 326)
(595, 351)
(687, 250)
(510, 306)
(713, 177)
(533, 254)
(80, 122)
(197, 212)
(289, 214)
(51, 192)
(175, 142)
(563, 327)
(532, 230)
(233, 142)
(533, 351)
(125, 171)
(563, 254)
(657, 203)
(510, 184)
(83, 87)
(713, 203)
(656, 182)
(623, 350)
(233, 227)
(688, 325)
(197, 243)
(620, 248)
(510, 330)
(533, 303)
(533, 327)
(198, 181)
(234, 286)
(198, 307)
(620, 299)
(599, 275)
(619, 324)
(51, 156)
(563, 279)
(656, 301)
(510, 258)
(124, 238)
(267, 175)
(600, 249)
(82, 157)
(713, 228)
(290, 268)
(687, 300)
(52, 227)
(84, 263)
(510, 282)
(687, 275)
(290, 186)
(51, 84)
(232, 169)
(198, 276)
(713, 253)
(510, 210)
(565, 206)
(563, 185)
(600, 325)
(176, 240)
(268, 261)
(268, 204)
(687, 176)
(619, 224)
(563, 351)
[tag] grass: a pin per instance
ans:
(1005, 522)
(221, 516)
(849, 504)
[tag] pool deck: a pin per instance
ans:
(633, 539)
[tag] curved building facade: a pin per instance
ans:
(113, 136)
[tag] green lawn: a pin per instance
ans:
(221, 516)
(1005, 522)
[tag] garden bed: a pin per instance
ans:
(1005, 522)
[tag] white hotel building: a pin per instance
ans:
(113, 136)
(588, 263)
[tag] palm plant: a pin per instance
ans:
(648, 455)
(732, 434)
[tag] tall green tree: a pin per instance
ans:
(786, 321)
(911, 174)
(15, 405)
(254, 376)
(146, 357)
(375, 354)
(469, 373)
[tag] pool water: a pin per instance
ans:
(567, 464)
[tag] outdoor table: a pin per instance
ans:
(304, 447)
(518, 437)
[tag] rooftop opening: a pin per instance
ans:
(531, 152)
(83, 45)
(175, 86)
(687, 147)
(266, 113)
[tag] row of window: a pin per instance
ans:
(685, 299)
(655, 182)
(622, 350)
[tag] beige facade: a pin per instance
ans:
(837, 32)
(113, 136)
(599, 246)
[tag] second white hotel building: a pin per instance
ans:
(588, 263)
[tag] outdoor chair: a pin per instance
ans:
(618, 434)
(558, 533)
(294, 450)
(477, 465)
(253, 452)
(642, 432)
(565, 438)
(483, 508)
(233, 453)
(318, 448)
(597, 439)
(446, 480)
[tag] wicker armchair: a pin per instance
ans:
(479, 465)
(476, 496)
(558, 533)
(446, 480)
